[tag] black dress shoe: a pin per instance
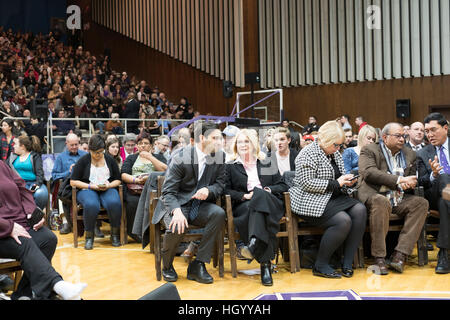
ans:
(266, 274)
(346, 272)
(429, 246)
(169, 274)
(89, 242)
(332, 275)
(65, 229)
(443, 266)
(248, 251)
(197, 272)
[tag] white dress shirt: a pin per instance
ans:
(201, 162)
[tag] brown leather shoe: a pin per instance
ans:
(382, 268)
(397, 261)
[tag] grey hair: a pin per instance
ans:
(387, 128)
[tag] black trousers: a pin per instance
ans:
(211, 217)
(434, 196)
(132, 202)
(35, 256)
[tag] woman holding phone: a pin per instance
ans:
(322, 185)
(97, 176)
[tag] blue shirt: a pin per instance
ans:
(63, 162)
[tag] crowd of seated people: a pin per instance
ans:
(76, 84)
(203, 162)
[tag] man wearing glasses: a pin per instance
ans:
(388, 171)
(434, 170)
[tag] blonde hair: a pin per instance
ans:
(330, 133)
(364, 132)
(252, 136)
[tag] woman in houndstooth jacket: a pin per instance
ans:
(319, 198)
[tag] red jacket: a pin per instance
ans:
(16, 201)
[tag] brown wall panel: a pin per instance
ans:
(374, 100)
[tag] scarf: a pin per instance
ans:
(399, 158)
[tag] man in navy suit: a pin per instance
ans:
(434, 170)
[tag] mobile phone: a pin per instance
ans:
(34, 187)
(355, 177)
(36, 217)
(102, 186)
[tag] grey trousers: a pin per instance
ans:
(210, 217)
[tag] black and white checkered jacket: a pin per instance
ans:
(313, 171)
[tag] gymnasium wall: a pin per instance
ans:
(372, 98)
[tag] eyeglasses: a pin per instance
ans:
(98, 152)
(431, 130)
(142, 143)
(338, 146)
(399, 136)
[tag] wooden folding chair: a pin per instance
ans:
(8, 266)
(76, 208)
(218, 257)
(288, 233)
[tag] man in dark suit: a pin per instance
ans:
(433, 166)
(388, 168)
(416, 136)
(194, 180)
(132, 109)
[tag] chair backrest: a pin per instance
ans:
(288, 178)
(161, 180)
(153, 179)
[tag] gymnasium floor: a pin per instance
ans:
(128, 273)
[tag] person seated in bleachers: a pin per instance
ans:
(256, 189)
(366, 136)
(96, 177)
(7, 138)
(26, 161)
(62, 169)
(32, 245)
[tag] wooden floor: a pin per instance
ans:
(128, 273)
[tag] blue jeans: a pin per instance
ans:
(92, 201)
(40, 196)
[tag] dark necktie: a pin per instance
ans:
(194, 209)
(444, 161)
(196, 203)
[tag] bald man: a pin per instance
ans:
(63, 168)
(416, 136)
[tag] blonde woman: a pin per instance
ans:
(367, 135)
(256, 190)
(319, 198)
